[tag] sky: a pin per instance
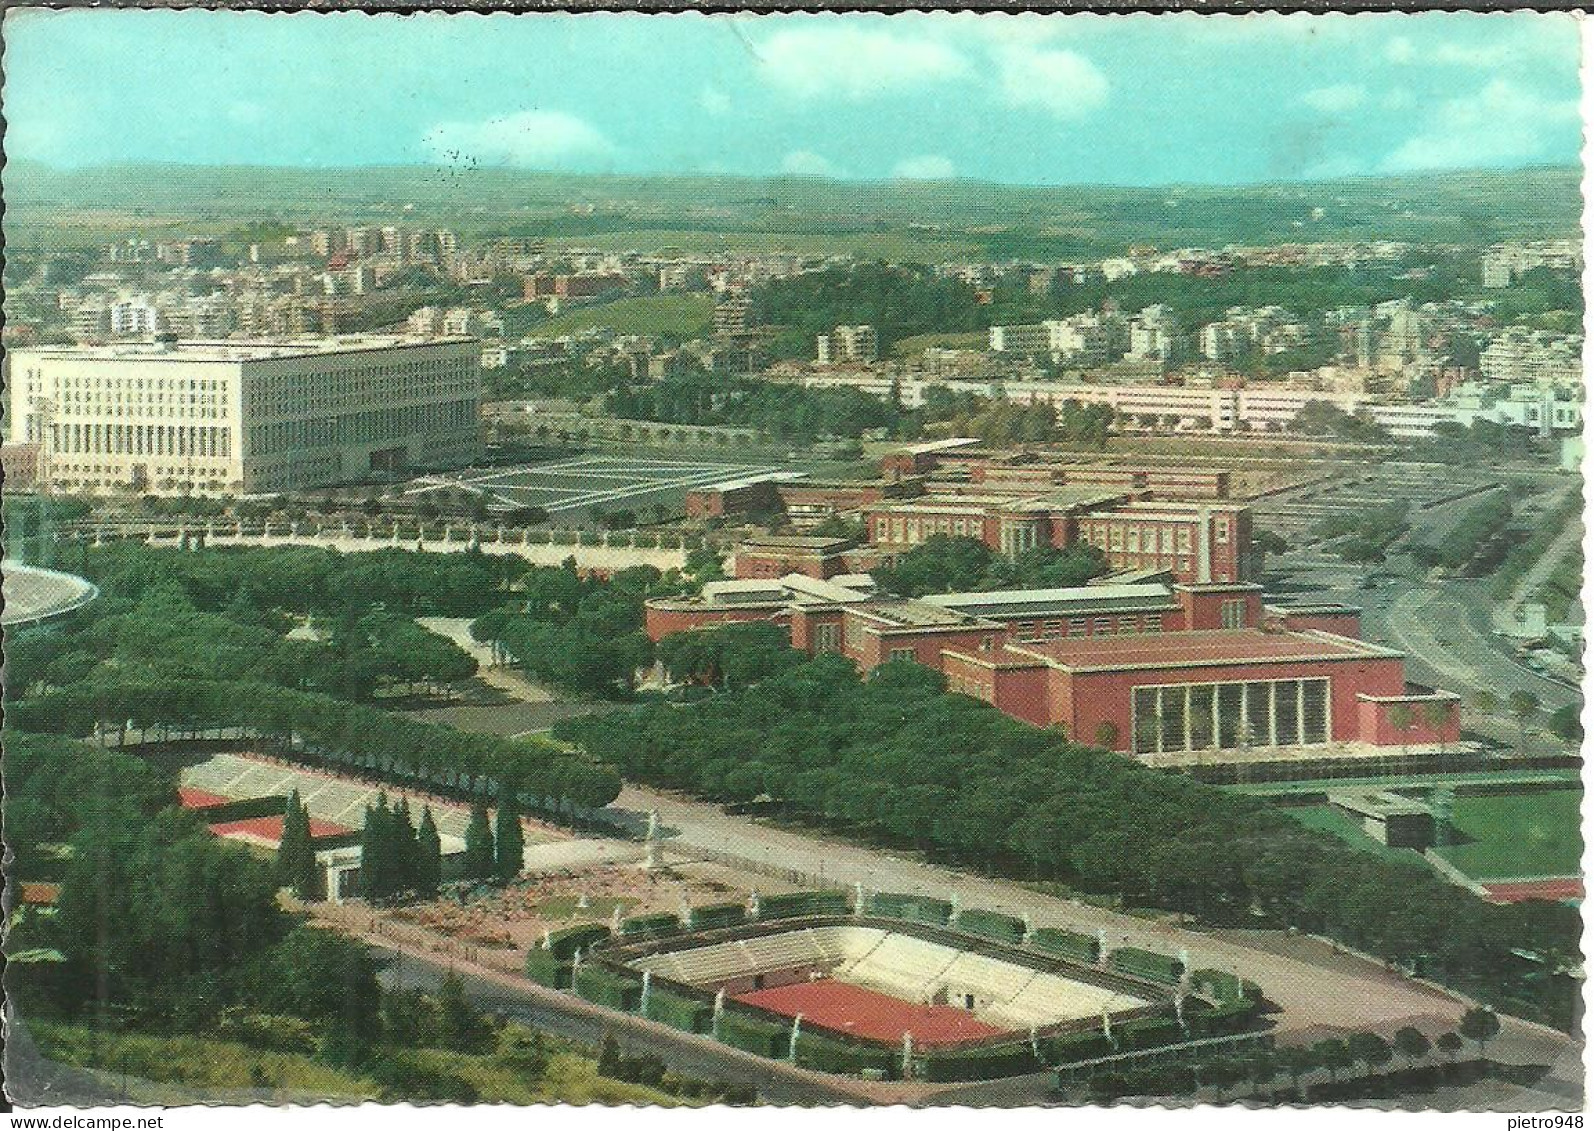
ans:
(1125, 99)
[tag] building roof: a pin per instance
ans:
(752, 481)
(1207, 648)
(244, 349)
(1054, 498)
(932, 446)
(796, 542)
(1076, 599)
(919, 614)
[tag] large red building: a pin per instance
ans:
(1152, 668)
(1196, 542)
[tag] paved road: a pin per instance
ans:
(1539, 572)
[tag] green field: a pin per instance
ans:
(1503, 836)
(1328, 819)
(1516, 835)
(918, 343)
(684, 316)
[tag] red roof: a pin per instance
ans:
(270, 828)
(1215, 646)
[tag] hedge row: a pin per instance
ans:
(991, 925)
(752, 1035)
(545, 968)
(981, 1064)
(678, 1012)
(1066, 944)
(272, 805)
(1223, 987)
(651, 926)
(719, 915)
(1147, 964)
(913, 908)
(826, 1055)
(800, 904)
(608, 988)
(564, 943)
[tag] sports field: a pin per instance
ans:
(1513, 836)
(606, 482)
(866, 1013)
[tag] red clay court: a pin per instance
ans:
(270, 828)
(1552, 888)
(864, 1013)
(191, 798)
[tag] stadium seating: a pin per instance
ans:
(902, 966)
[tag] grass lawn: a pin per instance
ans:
(189, 1063)
(686, 316)
(1328, 819)
(1529, 834)
(204, 1063)
(564, 907)
(918, 343)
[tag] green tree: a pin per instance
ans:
(1524, 705)
(1437, 715)
(296, 866)
(480, 860)
(609, 1056)
(1334, 1055)
(1566, 723)
(510, 839)
(461, 1027)
(1402, 717)
(1412, 1043)
(429, 851)
(1480, 1025)
(1486, 702)
(1449, 1044)
(1369, 1049)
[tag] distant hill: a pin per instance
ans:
(699, 213)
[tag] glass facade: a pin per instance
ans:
(1230, 716)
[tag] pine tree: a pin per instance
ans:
(511, 840)
(479, 857)
(429, 852)
(296, 867)
(376, 852)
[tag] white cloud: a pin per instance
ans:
(715, 101)
(854, 62)
(1339, 99)
(530, 138)
(930, 167)
(806, 163)
(1501, 123)
(1400, 50)
(1063, 83)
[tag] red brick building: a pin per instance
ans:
(776, 555)
(1150, 669)
(1196, 542)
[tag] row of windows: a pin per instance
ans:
(1029, 632)
(1142, 538)
(896, 529)
(140, 440)
(360, 427)
(1230, 716)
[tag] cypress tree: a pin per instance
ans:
(511, 840)
(295, 855)
(429, 850)
(376, 852)
(406, 849)
(479, 856)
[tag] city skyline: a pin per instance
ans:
(1020, 100)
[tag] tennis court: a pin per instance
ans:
(866, 1013)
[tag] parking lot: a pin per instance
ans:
(606, 482)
